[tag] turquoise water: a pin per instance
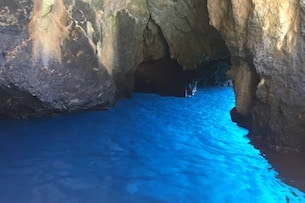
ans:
(145, 149)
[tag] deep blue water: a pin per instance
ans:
(145, 149)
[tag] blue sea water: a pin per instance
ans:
(146, 149)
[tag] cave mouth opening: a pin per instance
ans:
(168, 78)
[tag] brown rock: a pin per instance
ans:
(266, 40)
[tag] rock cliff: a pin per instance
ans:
(266, 43)
(69, 55)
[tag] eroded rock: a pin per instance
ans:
(185, 26)
(266, 45)
(68, 55)
(72, 55)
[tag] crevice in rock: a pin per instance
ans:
(155, 45)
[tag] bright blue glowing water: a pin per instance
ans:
(146, 149)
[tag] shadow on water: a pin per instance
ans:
(145, 149)
(290, 166)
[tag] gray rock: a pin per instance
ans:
(67, 55)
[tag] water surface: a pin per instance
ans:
(145, 149)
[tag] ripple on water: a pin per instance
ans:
(146, 149)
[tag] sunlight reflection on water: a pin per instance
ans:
(146, 149)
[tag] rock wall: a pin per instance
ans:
(49, 56)
(185, 26)
(68, 55)
(266, 42)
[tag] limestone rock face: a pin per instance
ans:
(68, 55)
(185, 26)
(266, 42)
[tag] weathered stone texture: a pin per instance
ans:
(77, 54)
(266, 38)
(68, 55)
(185, 26)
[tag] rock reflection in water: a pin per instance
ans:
(290, 166)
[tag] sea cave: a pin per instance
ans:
(152, 101)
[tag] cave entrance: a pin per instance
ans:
(168, 78)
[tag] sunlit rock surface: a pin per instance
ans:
(71, 55)
(49, 56)
(266, 41)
